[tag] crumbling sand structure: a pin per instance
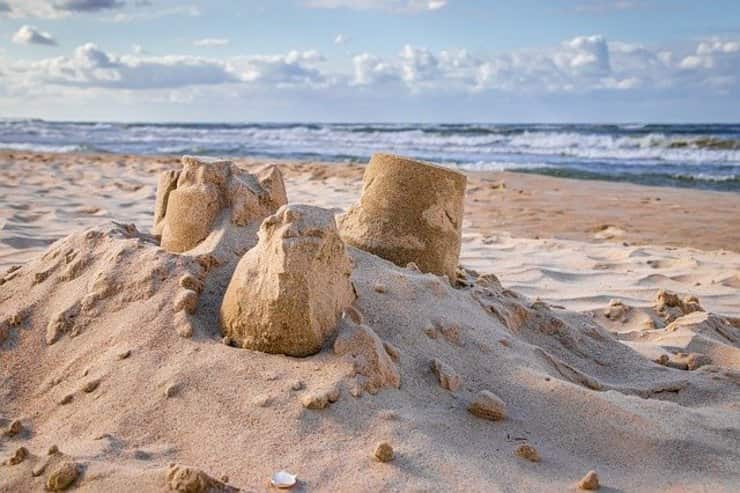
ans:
(287, 292)
(190, 201)
(410, 211)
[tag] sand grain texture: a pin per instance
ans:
(580, 383)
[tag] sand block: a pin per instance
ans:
(670, 306)
(383, 452)
(487, 405)
(409, 211)
(370, 359)
(190, 201)
(287, 293)
(62, 476)
(188, 479)
(589, 482)
(446, 375)
(526, 451)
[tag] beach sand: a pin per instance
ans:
(595, 368)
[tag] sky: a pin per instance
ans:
(371, 60)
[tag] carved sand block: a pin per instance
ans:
(287, 293)
(189, 201)
(409, 211)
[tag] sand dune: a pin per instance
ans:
(111, 350)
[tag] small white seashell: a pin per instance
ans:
(283, 479)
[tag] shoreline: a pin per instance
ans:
(525, 205)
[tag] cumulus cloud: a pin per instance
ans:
(208, 42)
(31, 35)
(399, 6)
(576, 66)
(152, 14)
(92, 67)
(296, 68)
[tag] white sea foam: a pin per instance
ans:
(703, 153)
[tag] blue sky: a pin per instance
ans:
(371, 60)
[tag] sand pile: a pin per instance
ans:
(116, 375)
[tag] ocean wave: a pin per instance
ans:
(692, 154)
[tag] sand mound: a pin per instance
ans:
(93, 360)
(675, 332)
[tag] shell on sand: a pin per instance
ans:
(283, 479)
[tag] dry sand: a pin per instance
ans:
(92, 357)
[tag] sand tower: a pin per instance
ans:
(190, 201)
(288, 292)
(409, 211)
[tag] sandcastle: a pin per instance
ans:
(409, 211)
(287, 292)
(189, 201)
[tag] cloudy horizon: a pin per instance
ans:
(370, 60)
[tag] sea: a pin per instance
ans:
(703, 156)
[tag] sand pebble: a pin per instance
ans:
(186, 300)
(526, 451)
(67, 399)
(91, 386)
(430, 330)
(62, 476)
(14, 428)
(191, 480)
(320, 399)
(124, 354)
(171, 390)
(589, 482)
(379, 287)
(18, 456)
(182, 324)
(446, 376)
(487, 405)
(392, 351)
(188, 281)
(263, 401)
(52, 450)
(297, 385)
(384, 452)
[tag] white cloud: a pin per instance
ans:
(31, 35)
(91, 67)
(148, 15)
(341, 39)
(578, 66)
(296, 68)
(208, 42)
(399, 6)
